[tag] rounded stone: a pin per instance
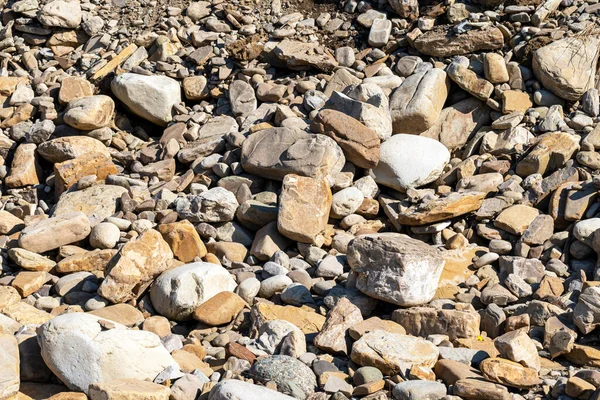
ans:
(291, 375)
(366, 374)
(104, 236)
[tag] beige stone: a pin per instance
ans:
(51, 233)
(69, 147)
(9, 366)
(509, 373)
(515, 219)
(304, 317)
(551, 152)
(515, 100)
(30, 261)
(454, 205)
(29, 282)
(374, 324)
(123, 314)
(159, 325)
(333, 335)
(128, 389)
(26, 314)
(494, 68)
(135, 266)
(9, 223)
(235, 252)
(8, 296)
(422, 321)
(194, 88)
(304, 206)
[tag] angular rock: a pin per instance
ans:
(183, 239)
(67, 148)
(421, 321)
(333, 337)
(128, 389)
(98, 202)
(440, 42)
(395, 268)
(135, 266)
(90, 113)
(220, 309)
(67, 173)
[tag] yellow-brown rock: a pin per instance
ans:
(135, 266)
(95, 260)
(28, 282)
(551, 152)
(25, 168)
(303, 317)
(220, 309)
(74, 87)
(128, 389)
(69, 172)
(304, 207)
(183, 240)
(509, 373)
(454, 205)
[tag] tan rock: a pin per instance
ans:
(422, 321)
(374, 324)
(95, 260)
(469, 81)
(194, 88)
(159, 325)
(8, 296)
(123, 314)
(476, 389)
(551, 152)
(8, 84)
(69, 172)
(518, 347)
(304, 206)
(9, 366)
(187, 361)
(22, 113)
(268, 241)
(26, 314)
(30, 261)
(360, 144)
(392, 353)
(67, 148)
(220, 309)
(98, 202)
(333, 337)
(234, 252)
(183, 240)
(135, 266)
(25, 169)
(579, 388)
(304, 317)
(494, 68)
(51, 233)
(515, 219)
(68, 396)
(515, 100)
(128, 389)
(112, 64)
(509, 373)
(441, 42)
(29, 282)
(584, 355)
(454, 205)
(451, 371)
(9, 223)
(73, 88)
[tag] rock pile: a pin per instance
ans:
(267, 199)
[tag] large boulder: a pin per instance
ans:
(567, 67)
(395, 268)
(150, 97)
(410, 161)
(177, 293)
(81, 349)
(275, 152)
(9, 366)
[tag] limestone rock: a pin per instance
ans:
(421, 321)
(88, 113)
(67, 148)
(395, 268)
(442, 43)
(49, 234)
(178, 292)
(128, 389)
(333, 336)
(183, 239)
(98, 202)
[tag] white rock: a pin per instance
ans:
(274, 284)
(80, 351)
(150, 97)
(104, 236)
(272, 333)
(584, 230)
(61, 14)
(176, 293)
(410, 161)
(234, 389)
(345, 202)
(248, 289)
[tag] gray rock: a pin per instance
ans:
(235, 389)
(419, 390)
(292, 376)
(61, 14)
(242, 98)
(215, 205)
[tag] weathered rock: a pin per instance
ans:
(232, 388)
(416, 105)
(128, 389)
(509, 373)
(184, 240)
(517, 346)
(242, 98)
(360, 144)
(80, 352)
(273, 153)
(88, 113)
(98, 202)
(334, 335)
(395, 268)
(135, 266)
(67, 148)
(61, 14)
(392, 353)
(51, 233)
(68, 172)
(453, 205)
(516, 219)
(178, 292)
(566, 66)
(9, 366)
(306, 319)
(442, 43)
(304, 206)
(25, 169)
(290, 375)
(220, 309)
(150, 97)
(301, 56)
(551, 152)
(420, 321)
